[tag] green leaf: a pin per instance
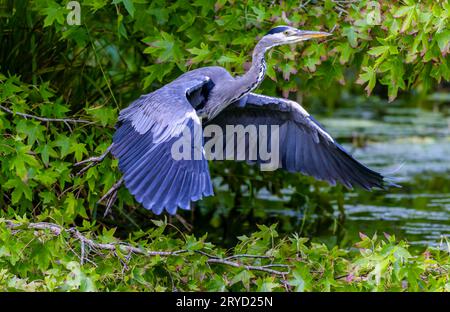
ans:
(443, 41)
(266, 284)
(351, 35)
(200, 53)
(369, 76)
(19, 189)
(32, 129)
(105, 115)
(46, 151)
(129, 6)
(244, 276)
(54, 12)
(64, 144)
(377, 51)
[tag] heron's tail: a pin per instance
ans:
(389, 179)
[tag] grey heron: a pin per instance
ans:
(147, 129)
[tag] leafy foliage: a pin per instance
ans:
(42, 261)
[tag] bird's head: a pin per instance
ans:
(286, 35)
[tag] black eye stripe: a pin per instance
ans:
(277, 30)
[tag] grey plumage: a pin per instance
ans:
(147, 129)
(305, 146)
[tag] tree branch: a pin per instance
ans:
(58, 230)
(263, 268)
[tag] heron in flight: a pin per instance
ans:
(148, 127)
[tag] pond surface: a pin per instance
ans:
(411, 145)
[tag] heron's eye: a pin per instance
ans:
(286, 32)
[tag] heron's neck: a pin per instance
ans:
(257, 71)
(254, 76)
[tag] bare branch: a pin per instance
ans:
(64, 120)
(248, 256)
(262, 268)
(129, 249)
(93, 161)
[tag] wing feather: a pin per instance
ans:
(305, 146)
(143, 141)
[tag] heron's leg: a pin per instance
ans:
(93, 161)
(111, 196)
(185, 223)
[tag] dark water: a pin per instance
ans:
(413, 143)
(412, 146)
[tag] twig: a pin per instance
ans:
(335, 25)
(82, 253)
(276, 265)
(57, 230)
(93, 161)
(262, 268)
(303, 5)
(123, 247)
(64, 120)
(341, 9)
(345, 1)
(206, 254)
(248, 256)
(54, 228)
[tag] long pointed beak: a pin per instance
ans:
(307, 34)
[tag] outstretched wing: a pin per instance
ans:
(146, 132)
(304, 145)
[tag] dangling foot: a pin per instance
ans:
(93, 161)
(189, 227)
(111, 196)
